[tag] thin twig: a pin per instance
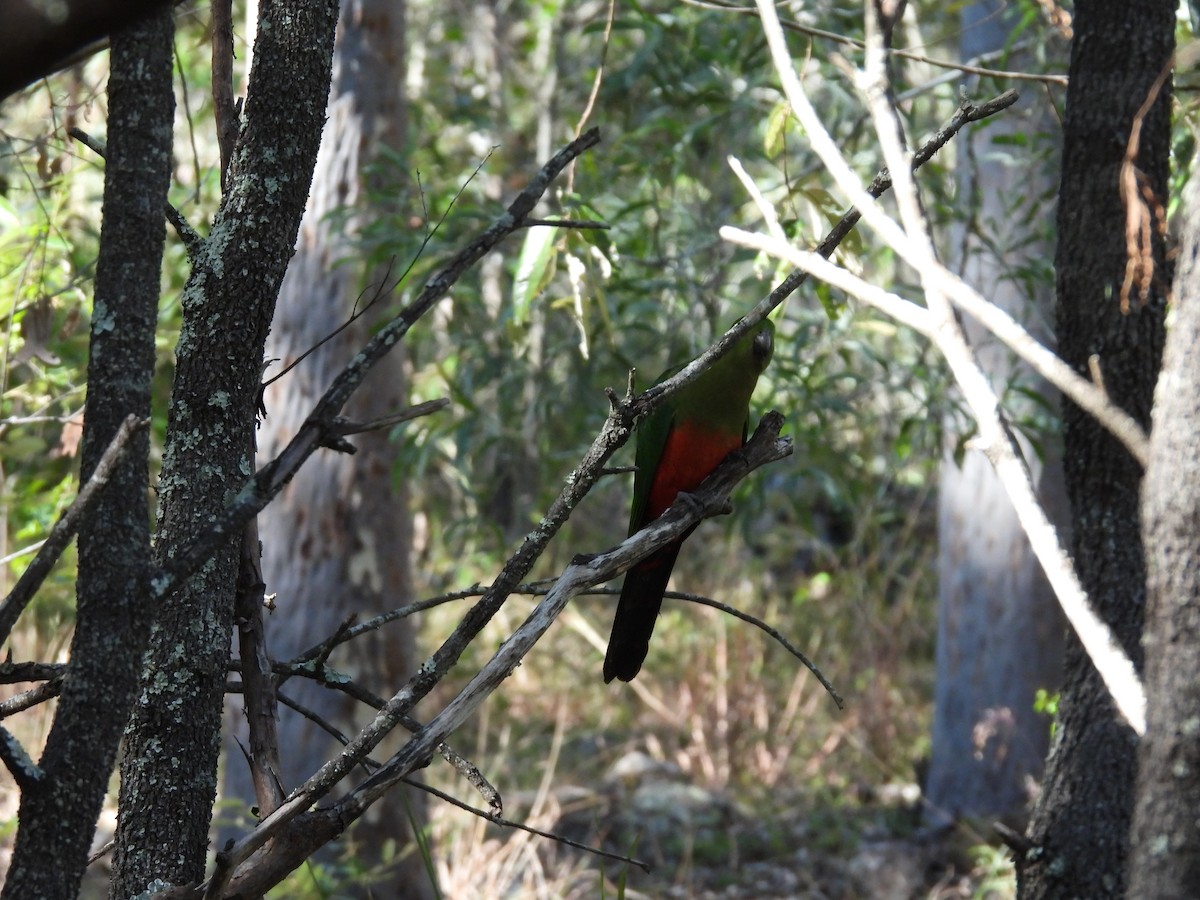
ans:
(773, 633)
(192, 241)
(970, 68)
(384, 289)
(509, 823)
(258, 682)
(48, 690)
(66, 526)
(224, 109)
(581, 224)
(346, 427)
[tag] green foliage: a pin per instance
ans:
(47, 257)
(994, 873)
(1046, 703)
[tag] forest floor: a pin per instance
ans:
(721, 845)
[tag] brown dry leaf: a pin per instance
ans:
(72, 434)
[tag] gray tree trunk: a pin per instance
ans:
(172, 743)
(336, 541)
(999, 633)
(1166, 841)
(58, 815)
(1080, 829)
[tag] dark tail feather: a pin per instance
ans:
(637, 610)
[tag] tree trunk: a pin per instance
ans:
(1166, 841)
(999, 629)
(336, 541)
(1080, 830)
(169, 770)
(58, 815)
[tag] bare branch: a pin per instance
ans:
(24, 771)
(580, 224)
(66, 526)
(257, 679)
(345, 426)
(529, 829)
(48, 690)
(224, 109)
(317, 431)
(769, 631)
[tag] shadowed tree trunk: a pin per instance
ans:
(336, 541)
(1080, 829)
(1166, 857)
(58, 815)
(172, 743)
(999, 627)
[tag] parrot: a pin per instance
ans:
(678, 446)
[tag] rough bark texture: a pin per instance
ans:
(336, 541)
(999, 628)
(168, 774)
(1080, 830)
(1166, 839)
(58, 817)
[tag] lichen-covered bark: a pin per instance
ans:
(1166, 841)
(168, 774)
(58, 817)
(1080, 830)
(336, 541)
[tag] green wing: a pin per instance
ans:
(652, 435)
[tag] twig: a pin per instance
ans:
(583, 224)
(258, 682)
(774, 634)
(970, 68)
(317, 430)
(509, 823)
(597, 81)
(224, 109)
(24, 771)
(345, 426)
(48, 690)
(16, 673)
(1145, 216)
(382, 289)
(192, 241)
(66, 526)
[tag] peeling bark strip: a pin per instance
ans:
(168, 775)
(58, 817)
